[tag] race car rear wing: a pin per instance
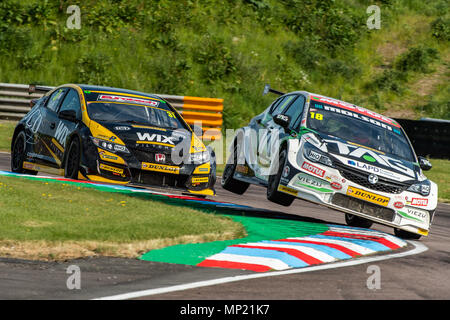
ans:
(268, 89)
(32, 88)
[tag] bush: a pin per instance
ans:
(333, 23)
(348, 71)
(305, 54)
(13, 39)
(215, 57)
(440, 29)
(390, 80)
(416, 59)
(93, 69)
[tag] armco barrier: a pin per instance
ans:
(429, 137)
(15, 103)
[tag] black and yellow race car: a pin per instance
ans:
(111, 135)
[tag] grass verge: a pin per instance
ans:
(440, 173)
(6, 132)
(55, 221)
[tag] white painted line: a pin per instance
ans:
(418, 248)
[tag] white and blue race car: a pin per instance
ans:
(334, 153)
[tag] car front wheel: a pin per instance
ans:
(72, 165)
(228, 182)
(274, 180)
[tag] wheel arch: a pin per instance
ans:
(19, 127)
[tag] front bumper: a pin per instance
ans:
(328, 186)
(126, 169)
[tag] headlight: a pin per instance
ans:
(109, 146)
(315, 155)
(199, 157)
(422, 188)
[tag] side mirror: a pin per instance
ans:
(69, 115)
(424, 164)
(282, 120)
(33, 102)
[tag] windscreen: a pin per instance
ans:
(125, 109)
(359, 129)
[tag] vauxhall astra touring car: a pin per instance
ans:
(336, 154)
(111, 135)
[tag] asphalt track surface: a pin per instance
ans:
(419, 276)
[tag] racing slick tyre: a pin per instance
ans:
(72, 165)
(18, 155)
(228, 182)
(406, 235)
(274, 180)
(355, 221)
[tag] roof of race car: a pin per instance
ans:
(117, 90)
(348, 106)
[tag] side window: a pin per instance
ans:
(281, 107)
(55, 99)
(71, 102)
(295, 111)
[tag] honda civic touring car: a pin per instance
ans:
(112, 135)
(336, 154)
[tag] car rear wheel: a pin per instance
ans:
(355, 221)
(72, 165)
(18, 155)
(406, 235)
(228, 182)
(274, 180)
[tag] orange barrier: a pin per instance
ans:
(205, 111)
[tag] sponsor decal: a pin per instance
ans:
(200, 180)
(336, 185)
(360, 152)
(419, 202)
(124, 99)
(105, 156)
(155, 137)
(313, 169)
(287, 190)
(61, 133)
(305, 180)
(399, 205)
(355, 111)
(415, 214)
(160, 157)
(160, 168)
(111, 169)
(283, 117)
(122, 128)
(369, 158)
(367, 196)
